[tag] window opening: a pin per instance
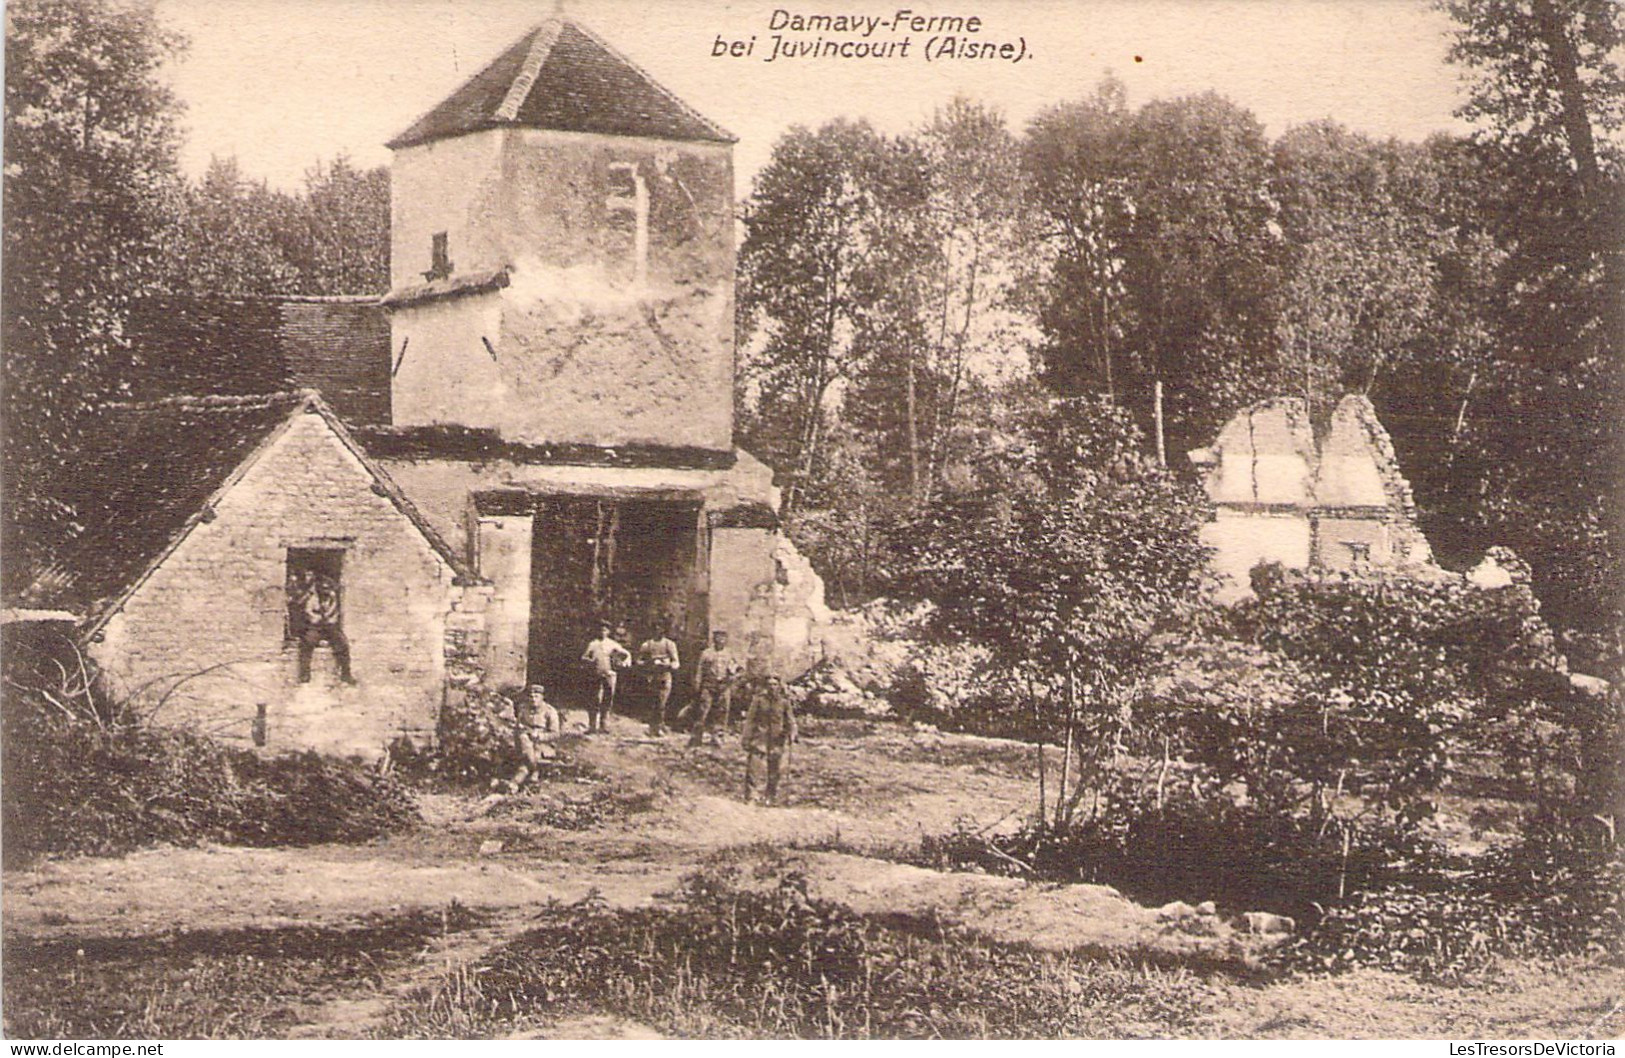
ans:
(439, 257)
(315, 588)
(629, 201)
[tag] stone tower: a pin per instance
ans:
(562, 255)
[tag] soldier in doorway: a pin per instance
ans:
(769, 731)
(608, 658)
(714, 678)
(318, 608)
(657, 657)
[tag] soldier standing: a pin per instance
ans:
(714, 678)
(607, 658)
(657, 656)
(770, 729)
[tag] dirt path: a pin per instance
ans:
(856, 788)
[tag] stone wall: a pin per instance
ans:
(1338, 502)
(202, 641)
(617, 323)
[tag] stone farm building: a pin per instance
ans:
(530, 432)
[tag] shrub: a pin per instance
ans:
(772, 962)
(79, 783)
(1198, 843)
(474, 737)
(1558, 891)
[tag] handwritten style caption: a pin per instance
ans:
(793, 35)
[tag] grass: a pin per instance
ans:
(741, 963)
(249, 983)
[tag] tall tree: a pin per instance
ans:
(949, 319)
(820, 236)
(90, 151)
(344, 246)
(1360, 270)
(1163, 218)
(226, 236)
(1548, 100)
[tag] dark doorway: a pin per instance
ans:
(634, 562)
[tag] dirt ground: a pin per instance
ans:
(652, 812)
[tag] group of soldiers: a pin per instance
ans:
(766, 735)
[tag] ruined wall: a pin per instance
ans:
(768, 599)
(502, 556)
(1280, 496)
(208, 627)
(617, 325)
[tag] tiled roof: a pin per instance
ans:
(474, 444)
(234, 345)
(448, 287)
(150, 473)
(562, 76)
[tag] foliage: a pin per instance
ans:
(1392, 675)
(90, 151)
(90, 779)
(1069, 559)
(950, 321)
(1557, 891)
(744, 958)
(474, 737)
(231, 235)
(822, 233)
(1185, 837)
(1359, 277)
(210, 984)
(1159, 221)
(1546, 97)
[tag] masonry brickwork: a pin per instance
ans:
(203, 640)
(1280, 494)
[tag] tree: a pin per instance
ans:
(954, 320)
(1360, 273)
(1165, 265)
(821, 228)
(226, 236)
(344, 230)
(231, 235)
(90, 151)
(1076, 551)
(1549, 103)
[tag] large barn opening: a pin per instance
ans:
(635, 561)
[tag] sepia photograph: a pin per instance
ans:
(1006, 519)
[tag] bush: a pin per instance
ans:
(1199, 844)
(79, 783)
(474, 737)
(1558, 891)
(772, 963)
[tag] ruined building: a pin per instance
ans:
(1280, 494)
(532, 431)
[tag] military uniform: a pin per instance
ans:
(770, 729)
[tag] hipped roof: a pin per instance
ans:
(562, 76)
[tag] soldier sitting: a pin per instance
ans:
(536, 733)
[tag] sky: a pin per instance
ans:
(282, 83)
